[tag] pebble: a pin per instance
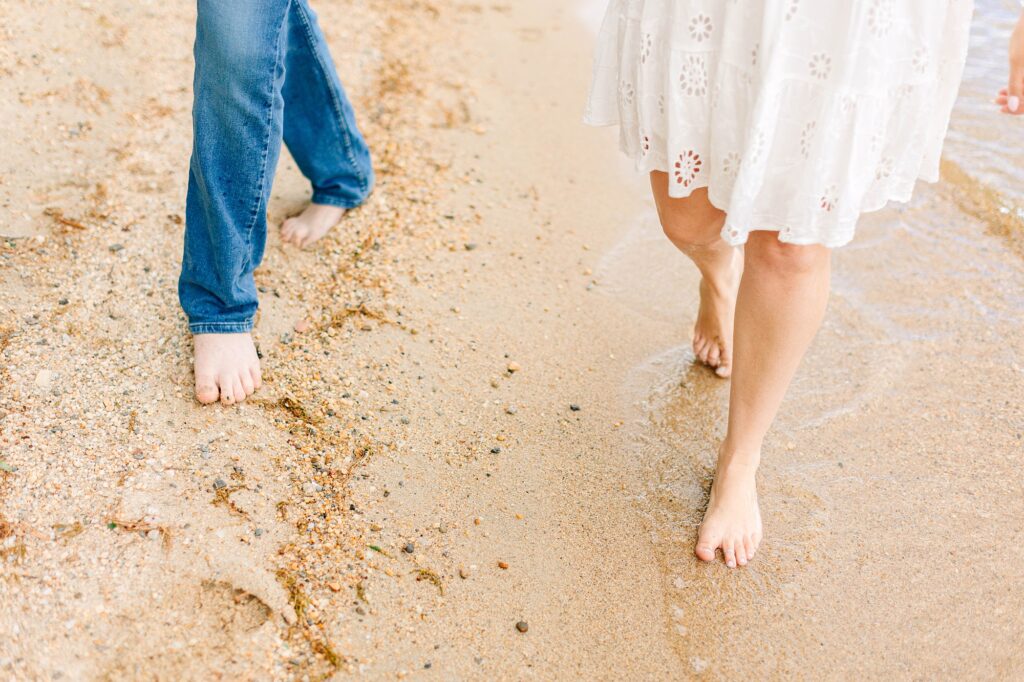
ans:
(464, 573)
(311, 487)
(303, 326)
(495, 382)
(153, 534)
(409, 548)
(45, 377)
(522, 626)
(258, 532)
(471, 246)
(114, 248)
(511, 409)
(219, 483)
(574, 407)
(513, 367)
(495, 451)
(503, 565)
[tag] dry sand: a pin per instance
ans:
(413, 480)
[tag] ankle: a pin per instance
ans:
(738, 457)
(722, 273)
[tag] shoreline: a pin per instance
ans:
(489, 417)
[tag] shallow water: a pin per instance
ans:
(896, 450)
(990, 149)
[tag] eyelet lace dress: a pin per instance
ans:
(797, 115)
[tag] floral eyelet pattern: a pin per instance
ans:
(694, 78)
(701, 27)
(820, 66)
(787, 133)
(686, 168)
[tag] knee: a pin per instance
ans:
(766, 254)
(690, 232)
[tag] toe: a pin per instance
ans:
(729, 552)
(707, 543)
(206, 390)
(238, 390)
(698, 344)
(741, 553)
(702, 351)
(227, 395)
(749, 547)
(714, 355)
(257, 377)
(247, 384)
(725, 365)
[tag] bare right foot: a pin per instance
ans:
(227, 368)
(712, 333)
(732, 521)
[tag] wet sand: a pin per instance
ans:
(413, 480)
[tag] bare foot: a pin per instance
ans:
(309, 226)
(227, 367)
(712, 334)
(732, 521)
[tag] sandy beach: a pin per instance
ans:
(482, 449)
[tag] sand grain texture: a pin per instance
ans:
(413, 493)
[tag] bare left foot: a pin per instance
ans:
(732, 521)
(311, 225)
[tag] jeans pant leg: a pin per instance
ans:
(237, 130)
(319, 123)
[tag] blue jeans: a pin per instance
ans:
(263, 74)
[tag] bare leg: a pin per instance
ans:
(781, 304)
(694, 226)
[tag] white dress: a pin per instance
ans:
(797, 115)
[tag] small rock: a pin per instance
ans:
(522, 626)
(471, 246)
(138, 454)
(503, 565)
(303, 326)
(153, 534)
(114, 248)
(311, 487)
(464, 573)
(495, 451)
(495, 382)
(360, 610)
(45, 377)
(513, 367)
(511, 409)
(219, 483)
(574, 407)
(257, 532)
(409, 548)
(336, 587)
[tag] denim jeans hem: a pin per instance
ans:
(325, 199)
(221, 327)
